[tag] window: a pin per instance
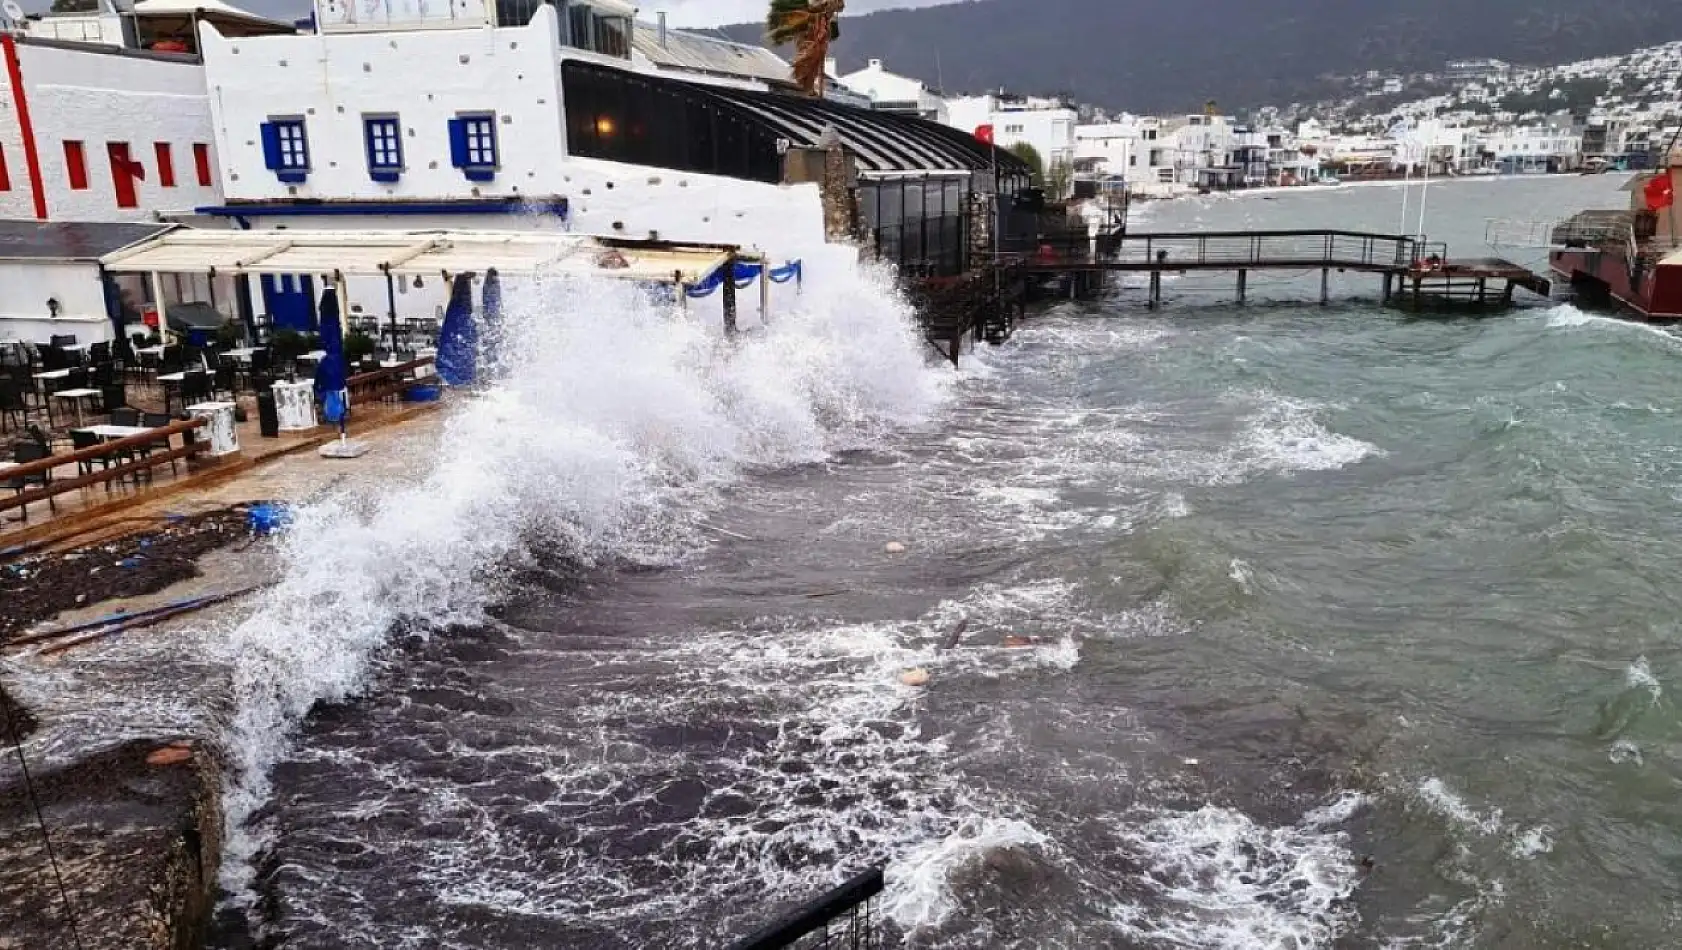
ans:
(1165, 175)
(286, 150)
(1133, 160)
(166, 164)
(1013, 130)
(125, 171)
(76, 166)
(473, 145)
(201, 162)
(1150, 135)
(383, 136)
(5, 174)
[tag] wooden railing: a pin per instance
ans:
(109, 450)
(384, 382)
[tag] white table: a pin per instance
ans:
(173, 377)
(116, 432)
(294, 404)
(224, 437)
(156, 352)
(243, 353)
(313, 356)
(74, 347)
(77, 395)
(54, 374)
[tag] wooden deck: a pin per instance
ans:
(96, 509)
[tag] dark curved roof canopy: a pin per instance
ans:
(618, 115)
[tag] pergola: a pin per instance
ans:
(392, 254)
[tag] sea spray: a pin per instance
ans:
(615, 424)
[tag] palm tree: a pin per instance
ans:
(810, 25)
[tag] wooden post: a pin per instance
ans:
(1417, 281)
(158, 302)
(1156, 289)
(1325, 285)
(1243, 275)
(729, 289)
(1386, 286)
(1482, 281)
(765, 291)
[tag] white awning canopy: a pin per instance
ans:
(210, 11)
(409, 253)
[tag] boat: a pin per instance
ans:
(1630, 257)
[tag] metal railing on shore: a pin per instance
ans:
(840, 919)
(115, 450)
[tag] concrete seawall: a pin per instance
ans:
(137, 835)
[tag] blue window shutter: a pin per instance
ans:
(271, 146)
(458, 143)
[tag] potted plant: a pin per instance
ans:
(228, 336)
(358, 346)
(288, 345)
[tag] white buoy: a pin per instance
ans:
(894, 547)
(915, 677)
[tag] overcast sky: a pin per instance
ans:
(716, 12)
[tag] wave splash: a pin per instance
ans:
(615, 426)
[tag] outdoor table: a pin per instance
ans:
(313, 356)
(74, 347)
(115, 432)
(166, 380)
(243, 353)
(294, 404)
(73, 394)
(224, 437)
(54, 374)
(154, 351)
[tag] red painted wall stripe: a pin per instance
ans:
(20, 100)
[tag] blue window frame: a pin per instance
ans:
(383, 136)
(286, 149)
(473, 145)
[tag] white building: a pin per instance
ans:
(97, 133)
(1048, 125)
(1109, 146)
(892, 92)
(1532, 149)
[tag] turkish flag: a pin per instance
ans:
(1659, 192)
(985, 134)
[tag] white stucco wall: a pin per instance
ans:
(424, 77)
(28, 285)
(96, 97)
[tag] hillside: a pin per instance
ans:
(1167, 57)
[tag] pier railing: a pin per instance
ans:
(385, 382)
(1229, 250)
(842, 919)
(123, 452)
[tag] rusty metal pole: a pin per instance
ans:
(729, 289)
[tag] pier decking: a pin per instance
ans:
(1416, 273)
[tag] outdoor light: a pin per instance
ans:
(52, 306)
(604, 126)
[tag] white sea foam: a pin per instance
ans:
(1640, 676)
(920, 895)
(1440, 799)
(1284, 435)
(609, 435)
(1219, 879)
(1568, 317)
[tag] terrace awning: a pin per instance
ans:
(409, 253)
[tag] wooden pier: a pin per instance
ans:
(1416, 274)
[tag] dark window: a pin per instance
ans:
(286, 149)
(76, 166)
(201, 162)
(578, 29)
(5, 173)
(383, 136)
(613, 35)
(620, 116)
(516, 12)
(166, 164)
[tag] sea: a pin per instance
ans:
(1273, 625)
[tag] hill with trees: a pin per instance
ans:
(1170, 57)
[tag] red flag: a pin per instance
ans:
(1659, 192)
(985, 134)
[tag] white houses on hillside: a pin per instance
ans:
(1046, 124)
(891, 92)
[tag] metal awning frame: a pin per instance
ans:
(413, 253)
